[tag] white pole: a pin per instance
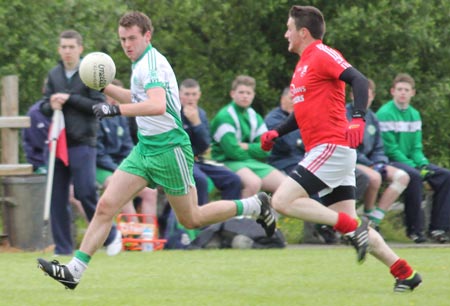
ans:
(51, 166)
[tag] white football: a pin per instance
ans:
(97, 69)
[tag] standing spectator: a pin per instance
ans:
(236, 132)
(318, 93)
(401, 127)
(65, 91)
(371, 160)
(114, 143)
(163, 155)
(195, 123)
(35, 140)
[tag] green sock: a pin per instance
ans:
(83, 257)
(367, 211)
(239, 207)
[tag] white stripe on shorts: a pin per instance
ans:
(332, 164)
(182, 165)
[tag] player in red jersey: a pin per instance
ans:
(318, 92)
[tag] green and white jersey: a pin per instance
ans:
(157, 133)
(231, 126)
(401, 131)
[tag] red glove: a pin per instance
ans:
(267, 140)
(355, 132)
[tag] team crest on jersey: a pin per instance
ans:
(371, 129)
(153, 74)
(302, 70)
(135, 81)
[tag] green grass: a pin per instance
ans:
(293, 276)
(392, 228)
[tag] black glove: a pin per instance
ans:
(102, 110)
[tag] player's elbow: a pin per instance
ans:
(161, 109)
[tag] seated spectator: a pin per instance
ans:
(195, 123)
(236, 132)
(114, 143)
(401, 131)
(205, 170)
(373, 162)
(35, 138)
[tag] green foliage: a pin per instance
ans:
(215, 40)
(383, 38)
(30, 37)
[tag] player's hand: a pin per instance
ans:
(380, 168)
(425, 172)
(192, 114)
(267, 140)
(355, 132)
(102, 110)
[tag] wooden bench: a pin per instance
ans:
(10, 124)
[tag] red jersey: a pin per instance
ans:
(319, 96)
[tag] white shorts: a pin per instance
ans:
(332, 164)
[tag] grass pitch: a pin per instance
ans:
(294, 276)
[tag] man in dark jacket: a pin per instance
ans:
(66, 91)
(196, 124)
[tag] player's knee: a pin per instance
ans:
(400, 181)
(375, 180)
(105, 208)
(278, 203)
(253, 186)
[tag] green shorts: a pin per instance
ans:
(172, 169)
(259, 168)
(102, 174)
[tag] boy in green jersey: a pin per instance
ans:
(401, 130)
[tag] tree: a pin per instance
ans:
(215, 40)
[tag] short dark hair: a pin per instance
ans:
(136, 18)
(243, 80)
(71, 34)
(308, 17)
(189, 83)
(404, 78)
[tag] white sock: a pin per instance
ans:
(377, 213)
(76, 267)
(251, 207)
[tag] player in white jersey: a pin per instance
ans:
(163, 156)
